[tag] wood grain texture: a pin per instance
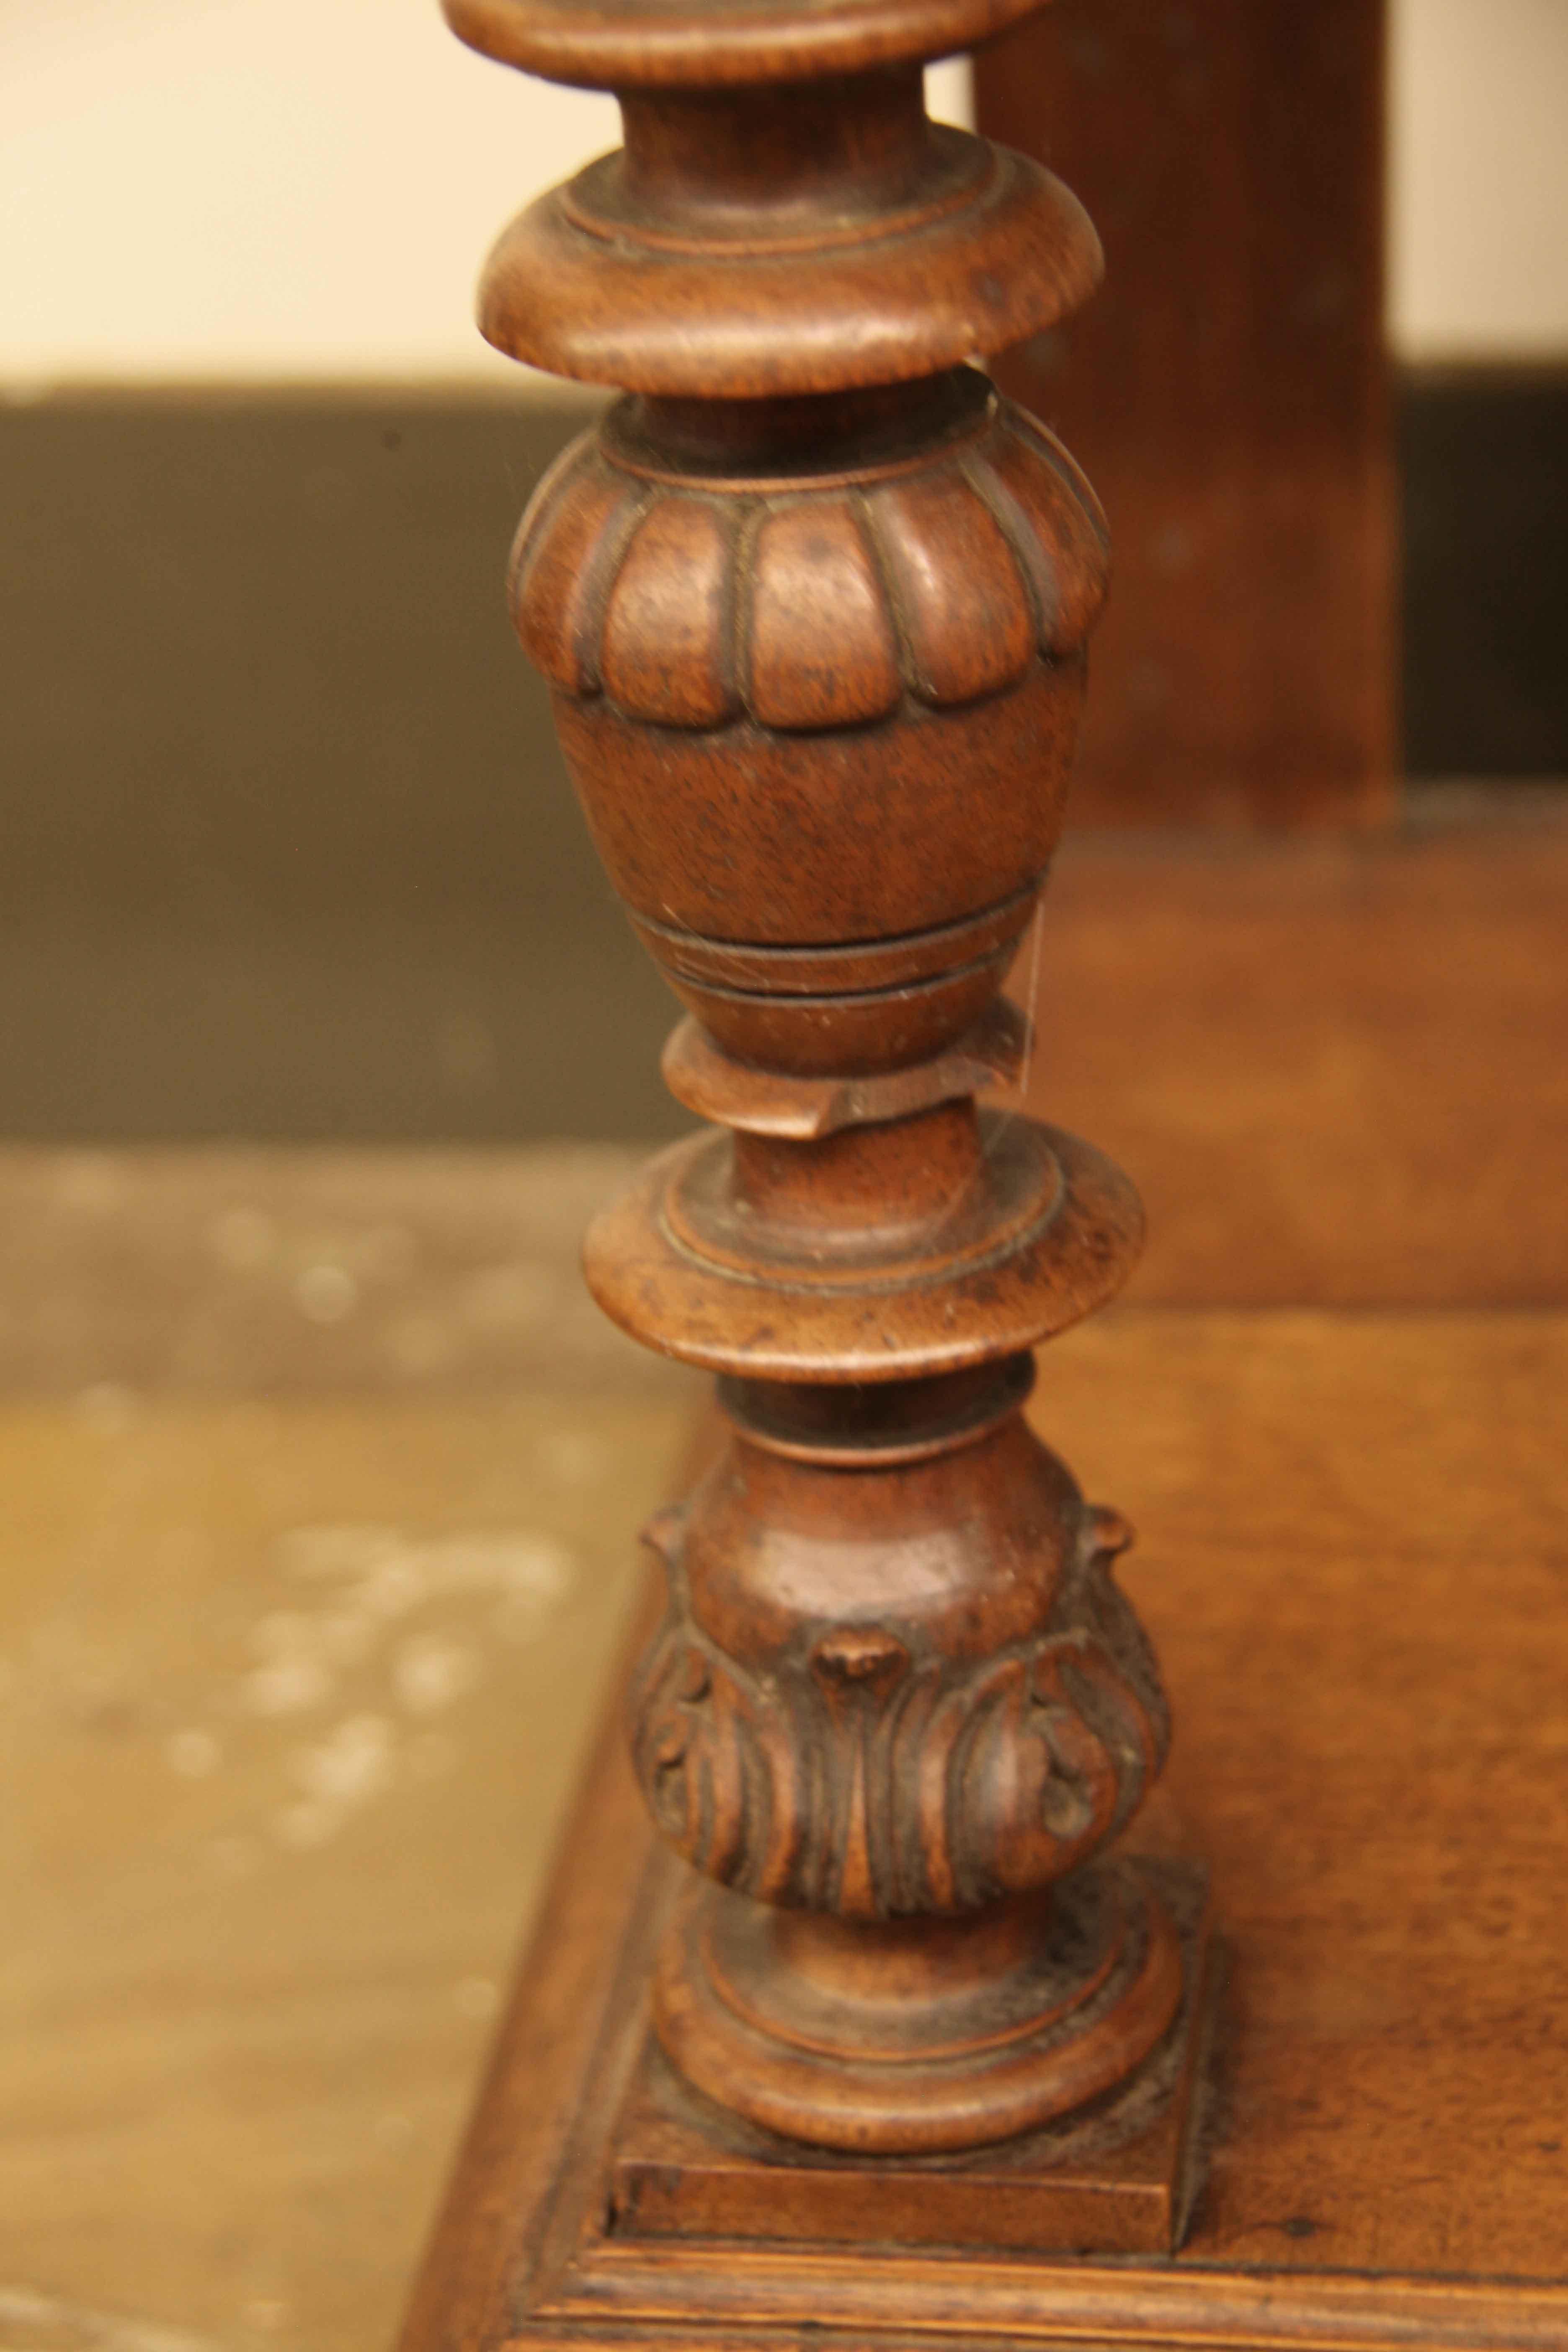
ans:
(823, 650)
(1121, 2180)
(684, 42)
(643, 271)
(1227, 393)
(1384, 1799)
(1335, 1069)
(795, 734)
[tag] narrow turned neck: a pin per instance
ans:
(811, 434)
(726, 161)
(911, 1960)
(899, 1174)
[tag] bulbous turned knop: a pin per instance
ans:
(920, 1692)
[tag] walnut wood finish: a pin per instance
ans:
(1229, 395)
(1384, 1807)
(814, 603)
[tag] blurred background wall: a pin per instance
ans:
(214, 189)
(285, 847)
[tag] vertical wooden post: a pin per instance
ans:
(1229, 394)
(814, 602)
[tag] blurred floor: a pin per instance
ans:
(323, 1481)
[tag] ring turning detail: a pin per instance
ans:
(814, 605)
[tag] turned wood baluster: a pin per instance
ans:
(813, 604)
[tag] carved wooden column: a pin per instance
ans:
(815, 604)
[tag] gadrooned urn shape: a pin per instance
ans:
(764, 672)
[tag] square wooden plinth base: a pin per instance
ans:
(1118, 2181)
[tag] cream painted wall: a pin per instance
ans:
(266, 187)
(302, 188)
(1479, 197)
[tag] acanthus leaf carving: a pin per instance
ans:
(869, 1775)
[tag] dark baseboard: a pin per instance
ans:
(1483, 457)
(287, 848)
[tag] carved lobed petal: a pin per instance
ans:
(823, 648)
(689, 605)
(1054, 522)
(967, 623)
(567, 550)
(666, 653)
